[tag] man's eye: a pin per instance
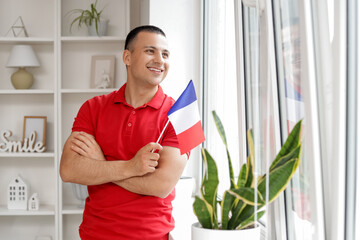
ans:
(149, 51)
(165, 55)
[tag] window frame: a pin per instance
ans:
(275, 223)
(312, 142)
(313, 129)
(351, 123)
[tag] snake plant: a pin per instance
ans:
(238, 203)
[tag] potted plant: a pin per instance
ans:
(237, 206)
(90, 18)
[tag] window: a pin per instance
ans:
(220, 85)
(279, 90)
(293, 110)
(297, 81)
(261, 104)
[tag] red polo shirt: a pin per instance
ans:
(112, 212)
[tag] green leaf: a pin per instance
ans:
(250, 139)
(226, 205)
(278, 179)
(249, 173)
(203, 212)
(247, 195)
(250, 160)
(231, 171)
(242, 176)
(295, 153)
(210, 181)
(235, 214)
(292, 141)
(250, 221)
(245, 212)
(221, 131)
(219, 127)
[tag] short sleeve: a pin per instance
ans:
(84, 120)
(170, 139)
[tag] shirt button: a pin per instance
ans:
(129, 124)
(133, 112)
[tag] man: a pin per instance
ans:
(130, 178)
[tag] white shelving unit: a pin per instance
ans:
(45, 210)
(62, 84)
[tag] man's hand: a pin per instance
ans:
(163, 180)
(85, 145)
(145, 160)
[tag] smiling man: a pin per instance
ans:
(112, 149)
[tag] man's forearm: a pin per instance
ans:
(87, 171)
(161, 182)
(149, 184)
(83, 162)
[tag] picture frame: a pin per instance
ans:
(35, 123)
(102, 71)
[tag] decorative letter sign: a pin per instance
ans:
(29, 144)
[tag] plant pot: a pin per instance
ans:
(102, 28)
(199, 233)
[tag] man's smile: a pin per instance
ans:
(156, 70)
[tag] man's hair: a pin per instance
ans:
(145, 28)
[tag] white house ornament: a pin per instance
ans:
(28, 145)
(17, 194)
(34, 202)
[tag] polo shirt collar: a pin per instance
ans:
(155, 102)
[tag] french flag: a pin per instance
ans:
(185, 118)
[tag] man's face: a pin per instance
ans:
(147, 59)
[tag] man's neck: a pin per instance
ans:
(137, 96)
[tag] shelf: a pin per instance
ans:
(72, 209)
(26, 91)
(29, 155)
(94, 90)
(81, 39)
(62, 84)
(45, 210)
(33, 40)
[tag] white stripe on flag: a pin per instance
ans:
(185, 117)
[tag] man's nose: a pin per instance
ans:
(159, 58)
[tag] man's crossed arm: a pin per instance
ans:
(147, 173)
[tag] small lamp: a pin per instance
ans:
(22, 56)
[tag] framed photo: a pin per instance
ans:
(37, 124)
(102, 71)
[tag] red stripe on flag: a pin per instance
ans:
(190, 138)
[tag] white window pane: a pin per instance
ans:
(260, 100)
(299, 204)
(221, 86)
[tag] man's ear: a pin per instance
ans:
(127, 57)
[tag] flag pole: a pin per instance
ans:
(162, 132)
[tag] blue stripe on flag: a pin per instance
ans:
(186, 98)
